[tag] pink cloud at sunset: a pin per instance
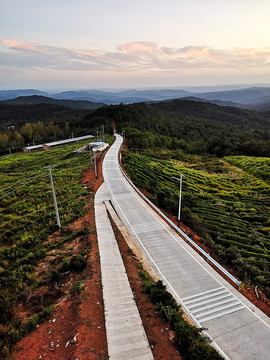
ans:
(137, 47)
(140, 59)
(20, 45)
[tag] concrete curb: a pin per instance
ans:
(126, 337)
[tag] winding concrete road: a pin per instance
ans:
(237, 328)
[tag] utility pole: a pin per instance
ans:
(95, 164)
(72, 135)
(103, 133)
(180, 191)
(54, 198)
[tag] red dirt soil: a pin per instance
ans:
(159, 333)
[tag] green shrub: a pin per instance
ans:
(200, 350)
(5, 352)
(188, 338)
(185, 335)
(77, 263)
(65, 266)
(169, 313)
(77, 288)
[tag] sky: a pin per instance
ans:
(65, 44)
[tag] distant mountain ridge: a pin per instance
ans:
(11, 94)
(217, 102)
(37, 99)
(245, 98)
(242, 96)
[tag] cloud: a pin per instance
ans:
(131, 56)
(20, 45)
(137, 47)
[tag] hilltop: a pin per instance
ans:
(196, 127)
(38, 99)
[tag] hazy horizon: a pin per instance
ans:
(198, 88)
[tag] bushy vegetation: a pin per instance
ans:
(225, 204)
(23, 124)
(27, 219)
(30, 211)
(188, 340)
(77, 288)
(19, 330)
(198, 128)
(257, 166)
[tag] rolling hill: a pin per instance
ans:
(37, 99)
(247, 97)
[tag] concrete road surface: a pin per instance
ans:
(237, 328)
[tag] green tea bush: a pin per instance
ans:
(77, 263)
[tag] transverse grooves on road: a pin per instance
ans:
(126, 337)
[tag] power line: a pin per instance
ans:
(62, 162)
(11, 192)
(53, 166)
(19, 187)
(17, 182)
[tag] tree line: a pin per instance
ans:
(197, 128)
(21, 125)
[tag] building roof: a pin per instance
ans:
(33, 147)
(67, 141)
(97, 143)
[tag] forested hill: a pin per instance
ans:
(17, 115)
(37, 99)
(23, 124)
(223, 114)
(196, 127)
(192, 126)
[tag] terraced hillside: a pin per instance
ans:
(228, 205)
(29, 211)
(27, 219)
